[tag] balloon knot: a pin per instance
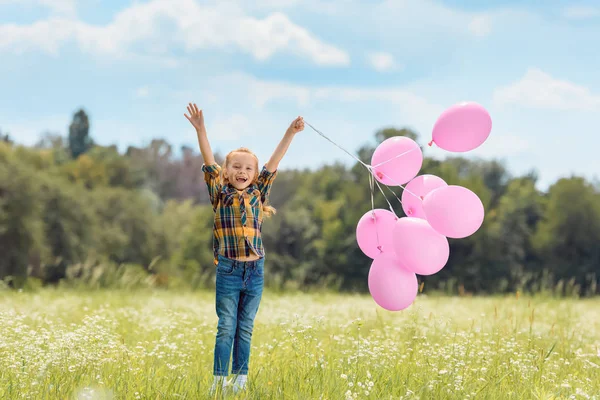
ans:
(421, 197)
(379, 248)
(380, 175)
(430, 143)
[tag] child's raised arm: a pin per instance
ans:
(296, 126)
(197, 120)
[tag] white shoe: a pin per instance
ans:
(223, 383)
(238, 386)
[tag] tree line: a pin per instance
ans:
(76, 213)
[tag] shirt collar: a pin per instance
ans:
(229, 189)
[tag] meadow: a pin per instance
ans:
(118, 344)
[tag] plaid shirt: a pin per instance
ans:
(238, 216)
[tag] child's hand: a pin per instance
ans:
(197, 119)
(297, 125)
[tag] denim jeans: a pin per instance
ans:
(239, 288)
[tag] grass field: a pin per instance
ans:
(151, 345)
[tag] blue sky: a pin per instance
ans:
(349, 67)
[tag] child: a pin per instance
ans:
(239, 194)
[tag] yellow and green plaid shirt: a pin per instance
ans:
(238, 216)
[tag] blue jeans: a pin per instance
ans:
(239, 288)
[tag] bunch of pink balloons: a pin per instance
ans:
(402, 248)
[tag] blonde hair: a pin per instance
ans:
(267, 209)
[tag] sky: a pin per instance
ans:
(349, 68)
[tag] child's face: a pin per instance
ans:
(241, 170)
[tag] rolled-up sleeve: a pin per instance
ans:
(264, 182)
(212, 177)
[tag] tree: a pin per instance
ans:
(79, 139)
(69, 225)
(4, 137)
(87, 171)
(513, 226)
(119, 169)
(127, 231)
(54, 143)
(567, 236)
(21, 233)
(386, 133)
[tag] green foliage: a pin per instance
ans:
(21, 228)
(79, 138)
(567, 235)
(127, 230)
(142, 219)
(68, 220)
(187, 236)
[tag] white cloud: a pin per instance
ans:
(502, 145)
(233, 127)
(381, 61)
(157, 26)
(581, 12)
(538, 89)
(47, 35)
(412, 104)
(481, 25)
(261, 94)
(64, 7)
(426, 19)
(264, 92)
(142, 92)
(330, 7)
(68, 7)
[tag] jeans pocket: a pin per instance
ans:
(225, 267)
(260, 267)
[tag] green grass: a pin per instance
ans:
(159, 345)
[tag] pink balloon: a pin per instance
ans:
(462, 127)
(419, 248)
(396, 160)
(416, 190)
(454, 211)
(391, 286)
(372, 233)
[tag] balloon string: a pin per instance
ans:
(397, 184)
(340, 147)
(391, 191)
(384, 196)
(372, 189)
(371, 179)
(367, 166)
